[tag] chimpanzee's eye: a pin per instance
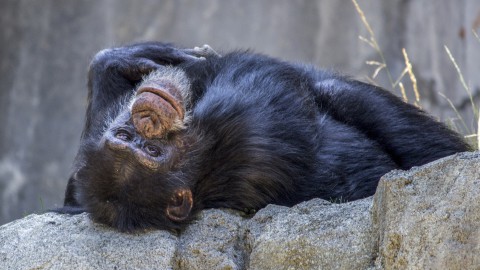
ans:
(152, 150)
(123, 135)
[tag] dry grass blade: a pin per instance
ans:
(456, 111)
(397, 82)
(364, 19)
(366, 41)
(413, 79)
(402, 90)
(375, 63)
(379, 65)
(462, 81)
(372, 41)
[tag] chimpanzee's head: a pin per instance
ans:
(131, 178)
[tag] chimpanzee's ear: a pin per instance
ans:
(180, 204)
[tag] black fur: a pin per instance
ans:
(261, 131)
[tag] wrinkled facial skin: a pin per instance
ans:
(133, 171)
(133, 182)
(153, 154)
(158, 107)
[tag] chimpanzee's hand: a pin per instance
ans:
(114, 73)
(203, 52)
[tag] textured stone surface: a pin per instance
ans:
(308, 236)
(429, 217)
(46, 45)
(313, 235)
(425, 218)
(53, 241)
(212, 242)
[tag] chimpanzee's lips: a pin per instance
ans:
(166, 93)
(157, 109)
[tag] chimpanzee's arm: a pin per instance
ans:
(409, 135)
(113, 74)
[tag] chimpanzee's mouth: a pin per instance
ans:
(157, 109)
(164, 93)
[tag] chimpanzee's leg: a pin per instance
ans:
(407, 134)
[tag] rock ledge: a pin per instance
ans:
(424, 218)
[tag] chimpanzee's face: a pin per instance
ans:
(154, 154)
(132, 176)
(132, 182)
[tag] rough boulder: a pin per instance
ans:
(424, 218)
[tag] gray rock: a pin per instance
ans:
(425, 218)
(212, 242)
(429, 217)
(313, 235)
(54, 241)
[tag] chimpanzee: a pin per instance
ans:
(172, 131)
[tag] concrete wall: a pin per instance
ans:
(46, 45)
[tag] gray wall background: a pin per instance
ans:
(46, 45)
